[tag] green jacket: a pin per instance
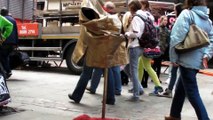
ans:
(5, 25)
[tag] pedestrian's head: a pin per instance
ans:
(163, 20)
(110, 7)
(190, 3)
(145, 5)
(178, 8)
(134, 5)
(4, 11)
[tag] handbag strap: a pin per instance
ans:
(192, 16)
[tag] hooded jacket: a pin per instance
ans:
(13, 38)
(192, 59)
(6, 27)
(100, 39)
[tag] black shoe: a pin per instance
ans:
(118, 94)
(89, 89)
(110, 103)
(144, 85)
(70, 97)
(4, 99)
(8, 75)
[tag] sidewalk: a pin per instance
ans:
(39, 99)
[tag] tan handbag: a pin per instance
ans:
(195, 39)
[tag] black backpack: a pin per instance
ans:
(150, 36)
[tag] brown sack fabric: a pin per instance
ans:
(99, 37)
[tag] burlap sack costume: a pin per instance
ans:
(100, 39)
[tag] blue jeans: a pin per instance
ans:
(83, 81)
(173, 77)
(131, 69)
(187, 87)
(114, 75)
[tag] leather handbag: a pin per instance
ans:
(196, 38)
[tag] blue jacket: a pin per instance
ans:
(13, 38)
(180, 29)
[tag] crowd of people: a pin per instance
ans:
(139, 67)
(133, 27)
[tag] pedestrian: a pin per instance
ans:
(6, 28)
(10, 43)
(114, 73)
(174, 69)
(195, 11)
(164, 39)
(146, 62)
(135, 30)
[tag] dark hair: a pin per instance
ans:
(146, 3)
(178, 8)
(188, 4)
(134, 5)
(4, 12)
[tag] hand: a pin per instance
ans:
(1, 42)
(205, 62)
(175, 64)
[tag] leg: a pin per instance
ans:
(191, 89)
(96, 77)
(178, 100)
(81, 85)
(117, 79)
(173, 78)
(135, 53)
(145, 78)
(151, 72)
(110, 88)
(140, 69)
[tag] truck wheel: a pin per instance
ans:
(74, 68)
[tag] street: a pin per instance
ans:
(41, 94)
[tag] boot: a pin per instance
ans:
(171, 118)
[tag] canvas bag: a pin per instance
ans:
(195, 38)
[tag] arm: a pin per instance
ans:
(179, 31)
(208, 53)
(137, 28)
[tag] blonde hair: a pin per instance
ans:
(162, 18)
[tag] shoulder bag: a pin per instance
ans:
(196, 38)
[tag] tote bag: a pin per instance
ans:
(195, 38)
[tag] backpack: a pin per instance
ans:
(150, 36)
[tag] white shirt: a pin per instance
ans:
(137, 27)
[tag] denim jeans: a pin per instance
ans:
(83, 81)
(96, 77)
(173, 77)
(131, 69)
(114, 75)
(187, 87)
